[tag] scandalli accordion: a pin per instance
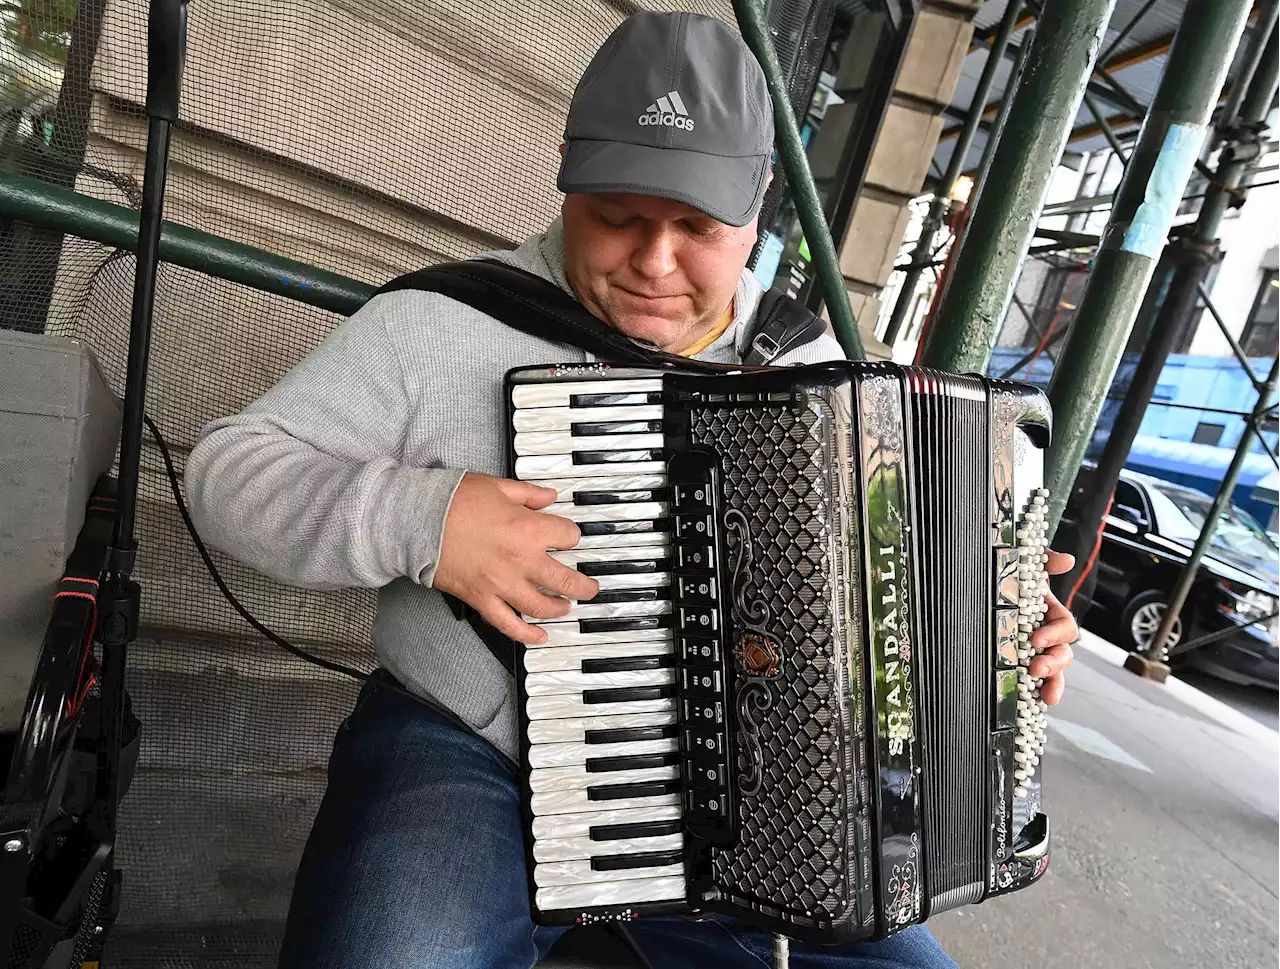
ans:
(802, 694)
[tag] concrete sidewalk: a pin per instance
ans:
(1163, 810)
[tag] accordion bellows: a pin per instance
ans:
(801, 697)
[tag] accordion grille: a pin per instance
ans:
(790, 859)
(954, 608)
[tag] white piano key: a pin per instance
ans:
(546, 779)
(611, 610)
(575, 731)
(650, 540)
(580, 849)
(634, 892)
(570, 634)
(562, 442)
(634, 580)
(555, 873)
(576, 556)
(571, 657)
(576, 802)
(557, 393)
(572, 755)
(629, 511)
(575, 681)
(534, 466)
(579, 825)
(570, 705)
(563, 418)
(566, 488)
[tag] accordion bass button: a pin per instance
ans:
(695, 557)
(698, 526)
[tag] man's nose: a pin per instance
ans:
(655, 257)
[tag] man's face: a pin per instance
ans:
(657, 270)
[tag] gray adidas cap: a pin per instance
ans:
(672, 105)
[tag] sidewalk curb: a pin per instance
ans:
(1210, 707)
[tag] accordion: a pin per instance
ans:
(801, 696)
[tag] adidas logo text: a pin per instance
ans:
(668, 111)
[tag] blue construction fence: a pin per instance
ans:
(1191, 443)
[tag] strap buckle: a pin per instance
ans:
(765, 346)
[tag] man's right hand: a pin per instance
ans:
(494, 555)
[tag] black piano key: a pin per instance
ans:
(605, 765)
(623, 664)
(628, 694)
(618, 792)
(625, 528)
(640, 829)
(627, 625)
(616, 457)
(586, 429)
(619, 497)
(630, 735)
(619, 398)
(646, 859)
(630, 595)
(631, 567)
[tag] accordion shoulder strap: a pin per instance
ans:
(540, 308)
(532, 305)
(782, 324)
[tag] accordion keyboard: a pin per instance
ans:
(599, 694)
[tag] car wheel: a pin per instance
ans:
(1142, 617)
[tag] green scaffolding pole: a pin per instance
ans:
(1059, 63)
(923, 252)
(755, 31)
(1145, 205)
(66, 211)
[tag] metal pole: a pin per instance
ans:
(1242, 146)
(61, 209)
(1258, 56)
(997, 126)
(989, 149)
(795, 164)
(1145, 205)
(781, 952)
(1101, 119)
(1232, 342)
(1156, 650)
(923, 251)
(120, 595)
(1057, 71)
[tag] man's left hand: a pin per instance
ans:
(1055, 637)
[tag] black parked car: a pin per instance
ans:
(1148, 535)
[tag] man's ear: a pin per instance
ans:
(562, 152)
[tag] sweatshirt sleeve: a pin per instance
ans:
(307, 484)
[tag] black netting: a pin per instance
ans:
(367, 139)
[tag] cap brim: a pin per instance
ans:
(725, 188)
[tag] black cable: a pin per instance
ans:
(247, 616)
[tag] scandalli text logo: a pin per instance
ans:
(668, 110)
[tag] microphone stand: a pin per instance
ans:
(121, 595)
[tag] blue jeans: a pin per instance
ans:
(416, 861)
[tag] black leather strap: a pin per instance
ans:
(782, 324)
(535, 306)
(540, 308)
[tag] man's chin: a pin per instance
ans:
(649, 329)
